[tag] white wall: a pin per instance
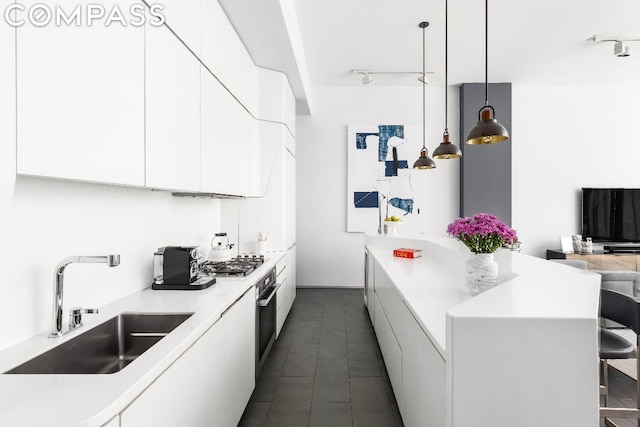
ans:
(52, 219)
(327, 254)
(566, 138)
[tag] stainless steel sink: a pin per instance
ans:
(107, 348)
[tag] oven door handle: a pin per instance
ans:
(265, 302)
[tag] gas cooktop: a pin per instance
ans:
(242, 265)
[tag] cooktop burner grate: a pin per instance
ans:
(242, 265)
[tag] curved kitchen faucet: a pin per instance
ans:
(75, 314)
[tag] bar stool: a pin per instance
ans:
(625, 310)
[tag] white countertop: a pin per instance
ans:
(433, 286)
(92, 400)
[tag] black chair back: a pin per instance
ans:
(620, 308)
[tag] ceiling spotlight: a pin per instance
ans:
(621, 50)
(366, 79)
(424, 79)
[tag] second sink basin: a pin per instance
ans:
(106, 348)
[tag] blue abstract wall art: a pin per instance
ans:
(366, 199)
(380, 179)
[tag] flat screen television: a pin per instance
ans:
(611, 214)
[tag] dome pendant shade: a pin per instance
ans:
(446, 150)
(487, 130)
(424, 162)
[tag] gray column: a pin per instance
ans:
(485, 170)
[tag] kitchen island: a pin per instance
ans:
(200, 374)
(522, 354)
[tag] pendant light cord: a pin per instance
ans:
(446, 66)
(486, 52)
(424, 84)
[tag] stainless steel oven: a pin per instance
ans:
(266, 303)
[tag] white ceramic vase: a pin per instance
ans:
(481, 273)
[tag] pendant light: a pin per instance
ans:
(488, 130)
(446, 150)
(424, 162)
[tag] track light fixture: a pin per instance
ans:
(620, 48)
(367, 78)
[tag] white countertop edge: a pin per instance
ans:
(93, 400)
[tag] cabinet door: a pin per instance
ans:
(191, 392)
(239, 356)
(283, 304)
(114, 422)
(432, 384)
(183, 17)
(290, 110)
(272, 95)
(391, 351)
(224, 54)
(291, 275)
(172, 113)
(226, 130)
(290, 197)
(80, 100)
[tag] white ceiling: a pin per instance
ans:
(540, 42)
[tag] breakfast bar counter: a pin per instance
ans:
(524, 353)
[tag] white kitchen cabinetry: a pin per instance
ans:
(189, 393)
(224, 54)
(272, 95)
(227, 131)
(287, 292)
(183, 17)
(114, 422)
(432, 378)
(210, 384)
(416, 373)
(80, 101)
(290, 110)
(290, 197)
(239, 323)
(172, 113)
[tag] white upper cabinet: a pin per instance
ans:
(272, 95)
(225, 56)
(290, 197)
(80, 99)
(172, 113)
(227, 131)
(183, 17)
(290, 109)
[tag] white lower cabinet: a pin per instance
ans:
(432, 373)
(238, 379)
(391, 351)
(287, 292)
(210, 384)
(416, 370)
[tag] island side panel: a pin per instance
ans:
(524, 372)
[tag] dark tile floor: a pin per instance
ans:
(325, 369)
(622, 393)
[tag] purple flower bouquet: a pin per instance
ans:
(482, 233)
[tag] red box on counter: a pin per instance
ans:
(407, 253)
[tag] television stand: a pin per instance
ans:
(622, 249)
(600, 260)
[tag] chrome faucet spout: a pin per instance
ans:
(110, 260)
